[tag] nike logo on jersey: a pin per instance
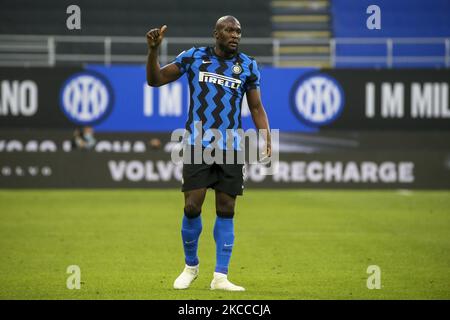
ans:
(206, 61)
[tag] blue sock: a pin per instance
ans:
(224, 236)
(190, 232)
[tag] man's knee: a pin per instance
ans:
(193, 201)
(225, 207)
(192, 209)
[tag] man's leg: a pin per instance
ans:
(224, 237)
(190, 233)
(192, 224)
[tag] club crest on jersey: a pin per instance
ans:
(237, 69)
(219, 79)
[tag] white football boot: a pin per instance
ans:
(221, 282)
(185, 279)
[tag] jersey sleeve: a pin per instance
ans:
(253, 80)
(184, 60)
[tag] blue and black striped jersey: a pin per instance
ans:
(217, 86)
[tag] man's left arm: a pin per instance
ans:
(259, 116)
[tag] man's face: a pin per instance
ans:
(228, 36)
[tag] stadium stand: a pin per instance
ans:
(194, 18)
(133, 18)
(304, 30)
(291, 33)
(418, 18)
(427, 20)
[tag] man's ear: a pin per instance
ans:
(216, 34)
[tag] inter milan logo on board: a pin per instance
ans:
(86, 98)
(317, 99)
(237, 69)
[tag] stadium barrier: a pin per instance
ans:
(357, 51)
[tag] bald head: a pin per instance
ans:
(224, 21)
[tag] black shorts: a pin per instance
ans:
(228, 178)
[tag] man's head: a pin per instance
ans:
(228, 34)
(88, 131)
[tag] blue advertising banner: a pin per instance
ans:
(139, 107)
(118, 99)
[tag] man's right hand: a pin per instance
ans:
(155, 36)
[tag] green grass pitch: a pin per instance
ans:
(298, 244)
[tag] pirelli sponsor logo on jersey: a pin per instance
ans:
(219, 79)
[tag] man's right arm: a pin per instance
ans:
(157, 76)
